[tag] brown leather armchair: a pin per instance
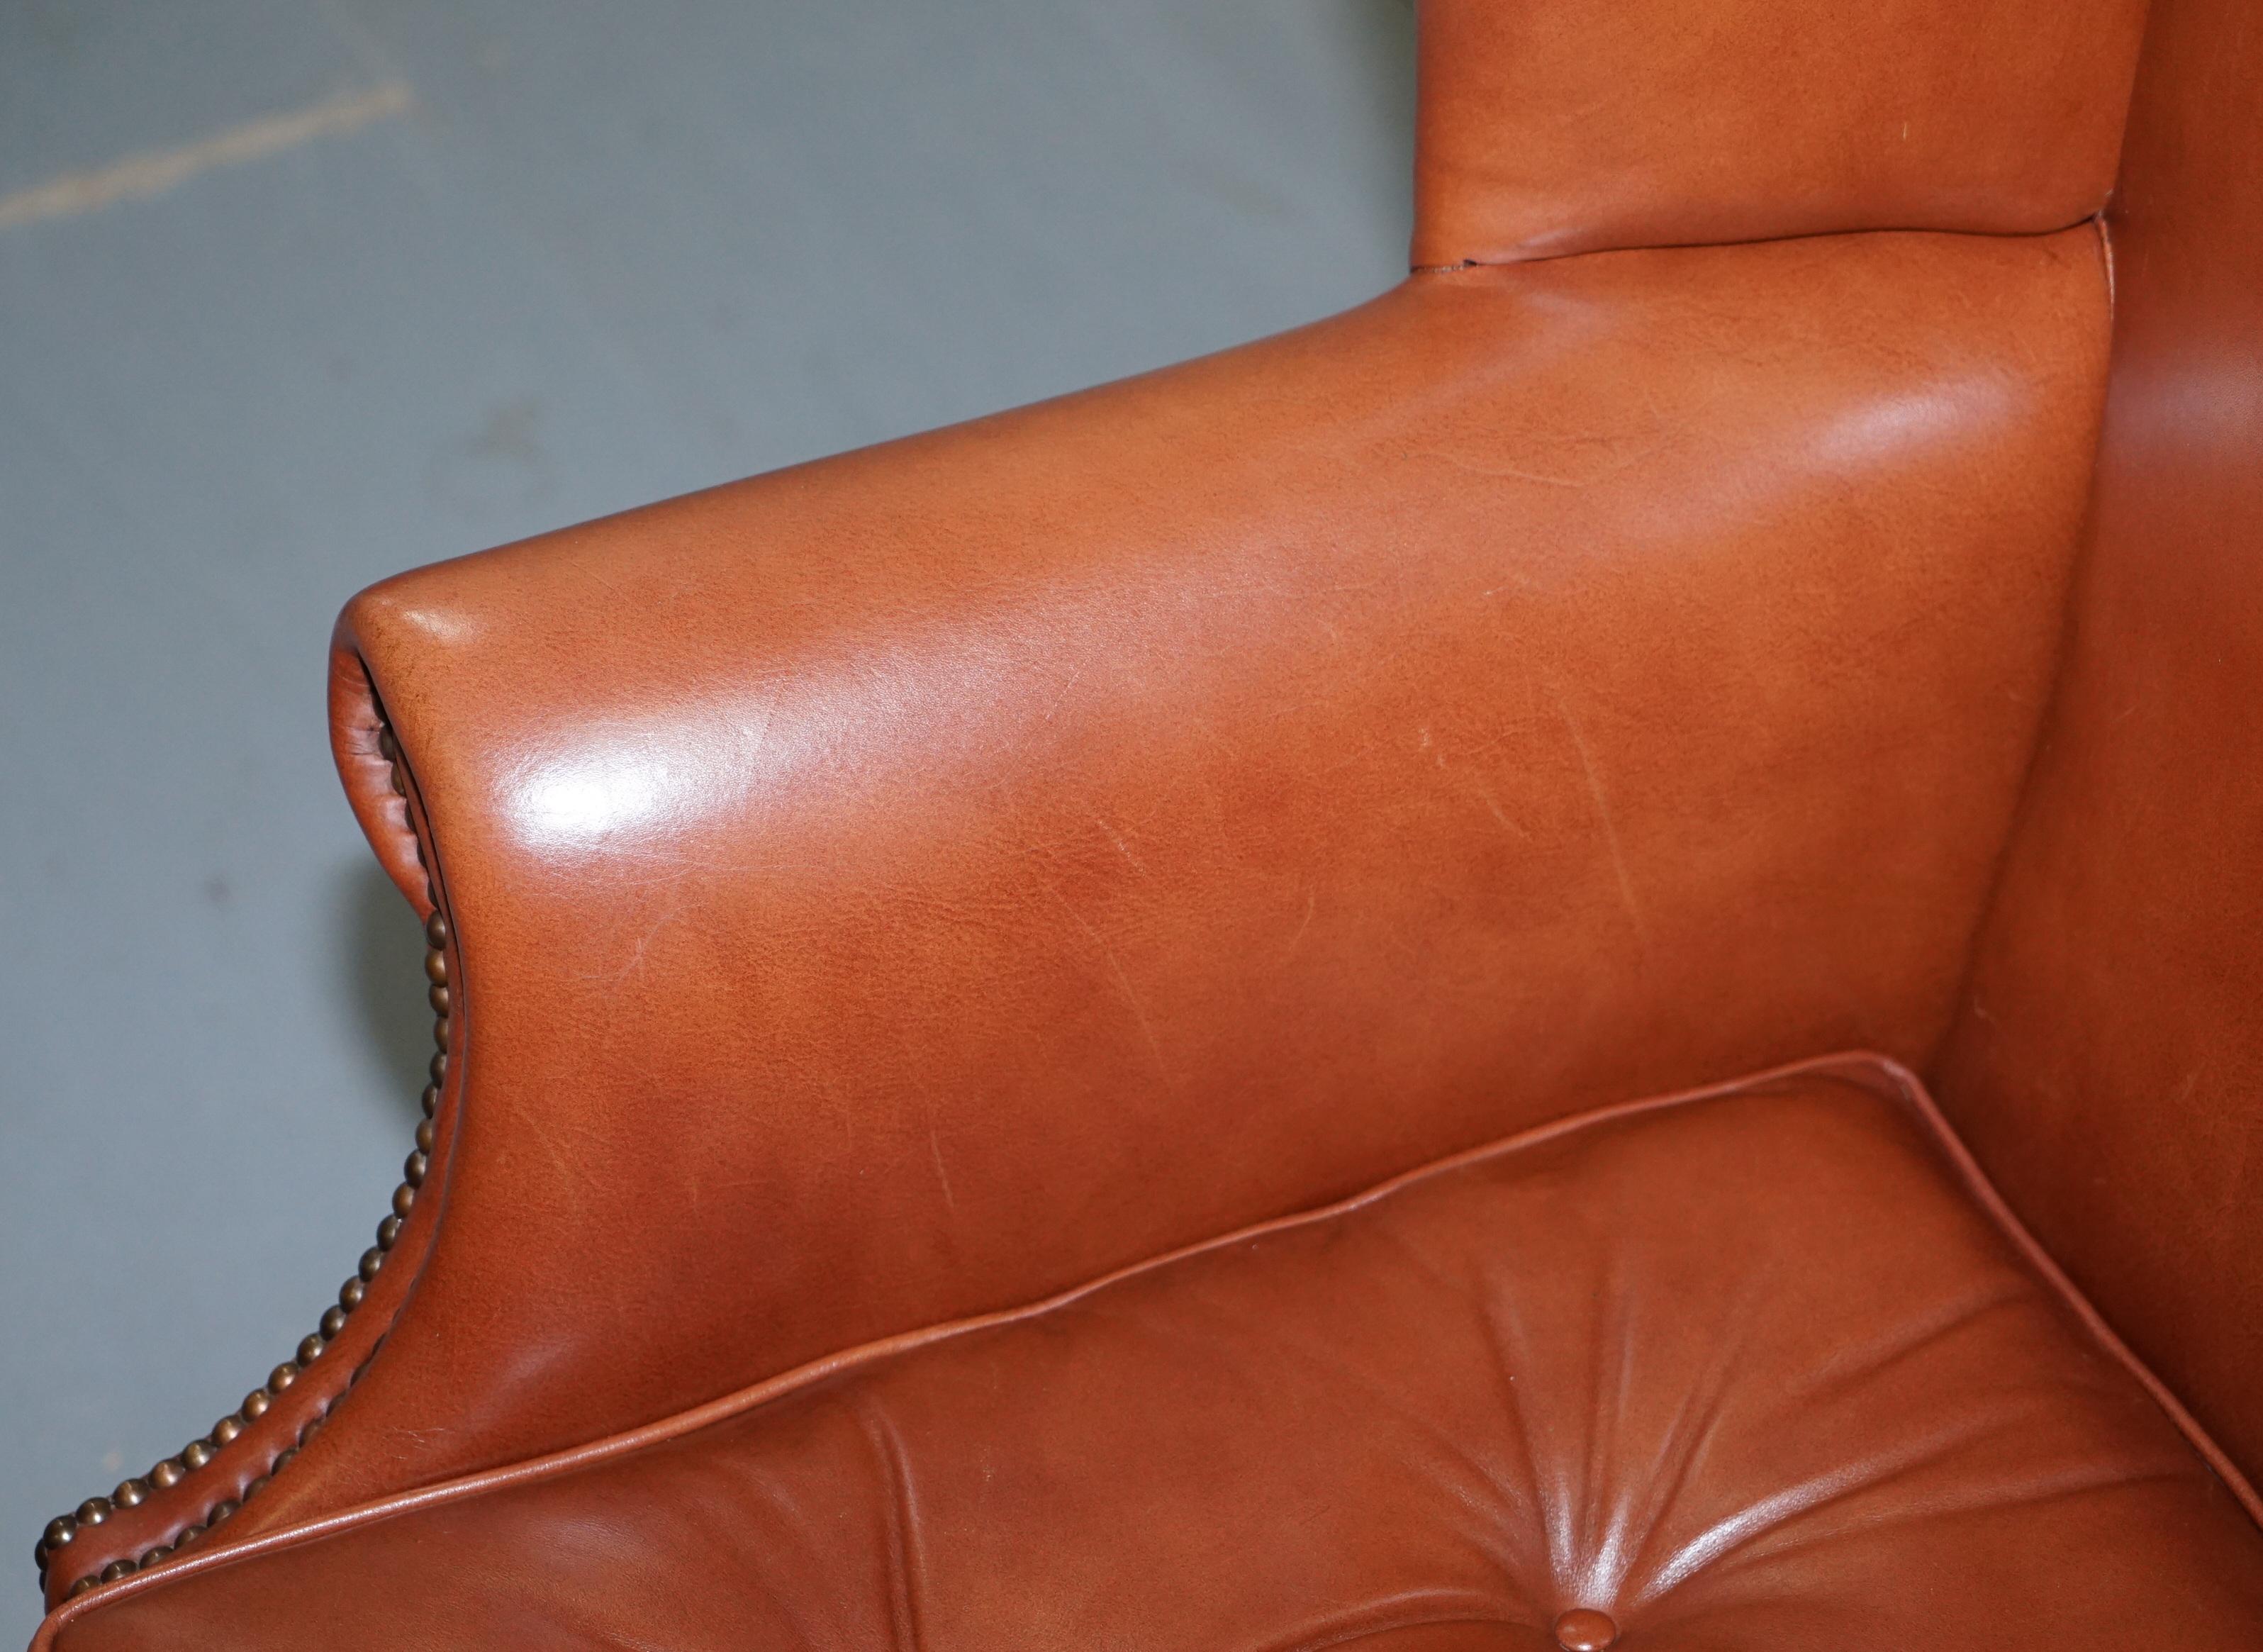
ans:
(1283, 1004)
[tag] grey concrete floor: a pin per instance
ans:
(293, 295)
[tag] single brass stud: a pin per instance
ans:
(371, 1260)
(117, 1569)
(439, 1067)
(224, 1430)
(255, 1406)
(424, 1135)
(387, 1232)
(283, 1459)
(436, 968)
(94, 1512)
(221, 1510)
(403, 1198)
(257, 1484)
(310, 1348)
(131, 1494)
(150, 1557)
(282, 1377)
(387, 747)
(333, 1321)
(196, 1453)
(59, 1533)
(81, 1587)
(314, 1427)
(436, 932)
(400, 780)
(168, 1474)
(350, 1293)
(190, 1533)
(432, 1099)
(413, 1167)
(437, 997)
(440, 1032)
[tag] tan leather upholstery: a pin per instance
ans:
(979, 878)
(2108, 1062)
(997, 857)
(1552, 127)
(1535, 1380)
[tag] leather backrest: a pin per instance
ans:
(1549, 127)
(2108, 1063)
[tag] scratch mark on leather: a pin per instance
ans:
(1311, 905)
(1122, 848)
(1603, 815)
(1492, 807)
(1123, 983)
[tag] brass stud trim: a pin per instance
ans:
(62, 1532)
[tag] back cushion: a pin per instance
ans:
(2108, 1063)
(1564, 125)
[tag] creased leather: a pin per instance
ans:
(1552, 127)
(902, 886)
(381, 812)
(1838, 1409)
(2108, 1062)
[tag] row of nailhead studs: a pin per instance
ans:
(62, 1531)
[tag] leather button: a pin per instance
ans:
(1583, 1630)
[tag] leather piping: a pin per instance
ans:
(1879, 1074)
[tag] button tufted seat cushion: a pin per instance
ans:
(1760, 1366)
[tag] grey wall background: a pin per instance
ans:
(384, 280)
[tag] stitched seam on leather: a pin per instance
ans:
(1461, 265)
(1860, 1070)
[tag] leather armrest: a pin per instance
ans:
(906, 885)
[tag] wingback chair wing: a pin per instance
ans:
(1300, 1001)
